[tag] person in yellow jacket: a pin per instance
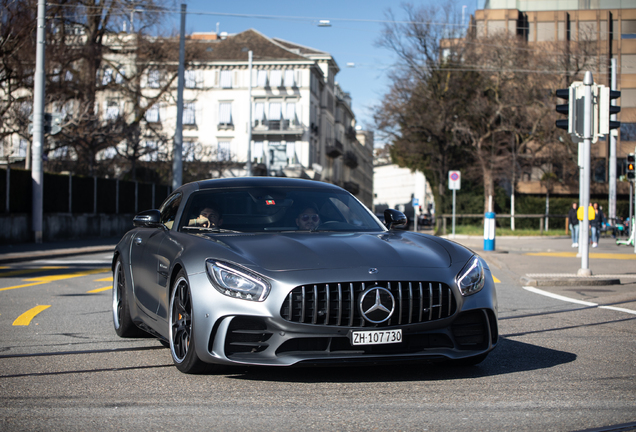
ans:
(591, 214)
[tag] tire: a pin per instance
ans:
(181, 334)
(123, 323)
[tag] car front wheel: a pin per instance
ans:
(124, 325)
(181, 335)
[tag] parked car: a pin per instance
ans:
(226, 272)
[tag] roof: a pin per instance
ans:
(236, 47)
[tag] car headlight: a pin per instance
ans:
(237, 282)
(471, 279)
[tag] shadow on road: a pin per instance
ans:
(509, 357)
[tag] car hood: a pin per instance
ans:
(299, 251)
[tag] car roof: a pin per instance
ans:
(263, 181)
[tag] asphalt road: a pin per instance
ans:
(560, 365)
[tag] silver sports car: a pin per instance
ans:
(281, 272)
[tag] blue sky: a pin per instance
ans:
(348, 40)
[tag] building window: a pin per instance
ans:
(545, 31)
(261, 78)
(274, 111)
(149, 151)
(588, 31)
(290, 80)
(20, 149)
(189, 151)
(226, 79)
(290, 113)
(112, 110)
(225, 114)
(189, 110)
(628, 29)
(152, 114)
(258, 151)
(276, 78)
(628, 131)
(190, 78)
(153, 78)
(107, 76)
(224, 151)
(259, 113)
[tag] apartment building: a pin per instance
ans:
(302, 122)
(609, 28)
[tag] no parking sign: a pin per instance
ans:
(454, 180)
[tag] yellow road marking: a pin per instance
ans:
(44, 279)
(25, 318)
(496, 280)
(106, 279)
(27, 271)
(99, 290)
(592, 255)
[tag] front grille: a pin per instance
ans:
(336, 304)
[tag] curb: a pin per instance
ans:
(569, 281)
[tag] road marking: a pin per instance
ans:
(25, 318)
(21, 272)
(51, 278)
(591, 255)
(99, 290)
(571, 300)
(106, 279)
(496, 280)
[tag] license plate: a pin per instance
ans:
(376, 337)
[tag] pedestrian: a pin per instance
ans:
(596, 224)
(573, 222)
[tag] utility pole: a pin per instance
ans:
(38, 125)
(612, 158)
(249, 119)
(177, 151)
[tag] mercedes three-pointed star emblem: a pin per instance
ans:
(377, 305)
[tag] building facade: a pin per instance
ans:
(301, 121)
(609, 29)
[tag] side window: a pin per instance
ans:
(169, 210)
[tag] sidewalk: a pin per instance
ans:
(551, 261)
(33, 251)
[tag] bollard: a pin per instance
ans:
(489, 231)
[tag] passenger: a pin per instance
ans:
(308, 219)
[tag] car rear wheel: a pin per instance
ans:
(124, 325)
(181, 335)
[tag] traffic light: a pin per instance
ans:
(573, 109)
(606, 109)
(565, 108)
(630, 167)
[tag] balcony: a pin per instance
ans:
(352, 187)
(334, 148)
(351, 160)
(277, 127)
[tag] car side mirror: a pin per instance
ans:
(148, 219)
(394, 218)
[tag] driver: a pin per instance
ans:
(208, 217)
(308, 219)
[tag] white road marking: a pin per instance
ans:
(571, 300)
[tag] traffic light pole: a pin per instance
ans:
(38, 126)
(588, 82)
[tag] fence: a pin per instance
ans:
(541, 217)
(66, 193)
(73, 206)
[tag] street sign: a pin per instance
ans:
(454, 180)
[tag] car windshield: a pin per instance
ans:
(276, 209)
